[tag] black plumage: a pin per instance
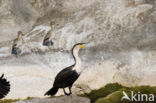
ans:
(4, 87)
(65, 78)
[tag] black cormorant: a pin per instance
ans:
(48, 37)
(4, 87)
(17, 43)
(66, 77)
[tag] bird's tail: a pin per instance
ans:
(52, 91)
(4, 86)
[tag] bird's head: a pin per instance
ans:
(20, 33)
(52, 23)
(78, 46)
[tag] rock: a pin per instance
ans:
(63, 99)
(81, 89)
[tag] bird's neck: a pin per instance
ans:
(77, 64)
(19, 37)
(51, 30)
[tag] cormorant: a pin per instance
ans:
(66, 77)
(17, 43)
(4, 87)
(48, 37)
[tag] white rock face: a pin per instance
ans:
(120, 37)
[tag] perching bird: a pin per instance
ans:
(48, 37)
(4, 87)
(69, 75)
(17, 43)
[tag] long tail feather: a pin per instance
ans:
(52, 91)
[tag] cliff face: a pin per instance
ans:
(120, 37)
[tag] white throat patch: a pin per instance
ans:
(77, 67)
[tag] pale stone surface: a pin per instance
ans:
(64, 99)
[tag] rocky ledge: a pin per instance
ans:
(63, 99)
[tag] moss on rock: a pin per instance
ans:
(102, 92)
(115, 97)
(8, 100)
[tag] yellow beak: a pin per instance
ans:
(81, 46)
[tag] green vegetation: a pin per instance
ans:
(112, 93)
(14, 100)
(115, 97)
(102, 92)
(8, 100)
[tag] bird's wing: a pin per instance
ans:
(2, 76)
(15, 41)
(4, 86)
(47, 36)
(64, 75)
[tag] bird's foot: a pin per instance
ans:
(68, 94)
